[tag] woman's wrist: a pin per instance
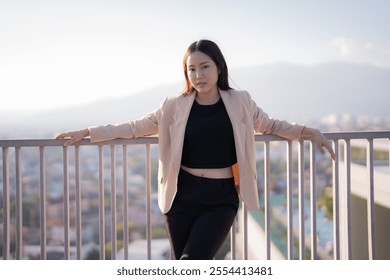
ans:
(308, 131)
(85, 132)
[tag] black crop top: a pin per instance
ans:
(209, 139)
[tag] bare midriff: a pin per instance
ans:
(213, 173)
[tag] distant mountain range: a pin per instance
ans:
(301, 93)
(286, 91)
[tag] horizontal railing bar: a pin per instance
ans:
(345, 135)
(83, 142)
(154, 139)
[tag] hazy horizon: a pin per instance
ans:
(352, 95)
(67, 53)
(179, 83)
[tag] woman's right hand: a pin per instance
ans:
(74, 136)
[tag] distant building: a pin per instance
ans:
(359, 192)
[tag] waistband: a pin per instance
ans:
(204, 179)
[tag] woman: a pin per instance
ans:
(203, 133)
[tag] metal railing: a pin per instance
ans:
(12, 187)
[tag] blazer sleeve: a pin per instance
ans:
(148, 125)
(266, 125)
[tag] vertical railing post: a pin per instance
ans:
(233, 255)
(125, 205)
(113, 204)
(66, 204)
(42, 196)
(336, 202)
(245, 235)
(6, 206)
(102, 239)
(267, 202)
(370, 200)
(78, 203)
(148, 202)
(18, 210)
(313, 199)
(347, 218)
(289, 186)
(301, 186)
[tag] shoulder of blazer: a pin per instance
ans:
(174, 100)
(175, 108)
(236, 98)
(236, 94)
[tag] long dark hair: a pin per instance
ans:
(212, 50)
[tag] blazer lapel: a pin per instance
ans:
(177, 129)
(239, 128)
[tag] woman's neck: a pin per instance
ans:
(207, 98)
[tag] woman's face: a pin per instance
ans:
(202, 72)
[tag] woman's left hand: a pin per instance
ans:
(320, 141)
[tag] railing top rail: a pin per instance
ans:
(345, 135)
(154, 139)
(83, 142)
(380, 134)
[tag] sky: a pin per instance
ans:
(58, 53)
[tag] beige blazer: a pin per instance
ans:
(169, 122)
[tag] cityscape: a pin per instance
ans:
(136, 214)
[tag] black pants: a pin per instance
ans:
(201, 216)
